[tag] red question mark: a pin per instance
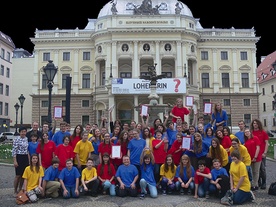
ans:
(177, 84)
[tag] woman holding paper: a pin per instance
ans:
(179, 111)
(176, 149)
(219, 116)
(105, 146)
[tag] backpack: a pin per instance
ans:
(272, 189)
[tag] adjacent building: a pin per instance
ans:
(106, 59)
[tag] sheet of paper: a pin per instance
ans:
(189, 100)
(144, 110)
(186, 143)
(207, 108)
(57, 112)
(116, 151)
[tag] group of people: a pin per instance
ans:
(152, 158)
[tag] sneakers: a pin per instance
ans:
(227, 203)
(263, 186)
(189, 192)
(164, 192)
(142, 196)
(207, 195)
(182, 191)
(252, 196)
(254, 188)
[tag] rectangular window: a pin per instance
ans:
(44, 103)
(264, 122)
(245, 80)
(103, 78)
(44, 119)
(205, 80)
(263, 89)
(1, 88)
(6, 109)
(64, 78)
(226, 102)
(9, 56)
(66, 56)
(243, 55)
(247, 119)
(264, 107)
(86, 55)
(2, 53)
(167, 74)
(85, 103)
(2, 70)
(7, 90)
(204, 55)
(272, 88)
(84, 120)
(46, 56)
(229, 120)
(85, 80)
(125, 75)
(44, 81)
(8, 73)
(274, 121)
(1, 108)
(246, 102)
(224, 55)
(225, 80)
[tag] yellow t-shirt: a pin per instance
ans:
(88, 174)
(32, 177)
(224, 155)
(238, 170)
(83, 149)
(245, 156)
(169, 174)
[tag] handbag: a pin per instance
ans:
(21, 197)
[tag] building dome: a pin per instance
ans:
(131, 7)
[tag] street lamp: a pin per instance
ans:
(16, 106)
(50, 71)
(21, 99)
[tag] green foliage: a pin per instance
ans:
(270, 152)
(5, 153)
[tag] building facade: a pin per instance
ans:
(106, 59)
(6, 47)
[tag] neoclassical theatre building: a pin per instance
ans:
(106, 59)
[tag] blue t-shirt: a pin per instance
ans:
(208, 139)
(58, 137)
(240, 136)
(184, 178)
(215, 173)
(69, 176)
(51, 174)
(127, 173)
(219, 118)
(136, 147)
(147, 173)
(204, 151)
(171, 135)
(32, 147)
(96, 147)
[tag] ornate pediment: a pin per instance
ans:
(146, 8)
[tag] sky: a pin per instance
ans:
(25, 17)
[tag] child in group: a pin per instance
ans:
(202, 180)
(167, 173)
(89, 178)
(106, 174)
(185, 174)
(147, 174)
(220, 181)
(176, 149)
(33, 144)
(69, 179)
(32, 176)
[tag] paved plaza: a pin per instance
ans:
(7, 200)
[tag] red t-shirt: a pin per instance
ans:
(199, 179)
(74, 141)
(176, 155)
(251, 145)
(263, 136)
(159, 153)
(64, 153)
(226, 142)
(103, 148)
(105, 175)
(179, 112)
(46, 153)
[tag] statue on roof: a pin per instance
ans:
(178, 8)
(113, 8)
(146, 8)
(152, 77)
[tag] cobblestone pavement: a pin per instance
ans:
(7, 200)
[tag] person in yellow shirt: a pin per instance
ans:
(32, 176)
(245, 156)
(89, 178)
(83, 150)
(216, 151)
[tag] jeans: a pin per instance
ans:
(262, 176)
(203, 187)
(107, 185)
(240, 197)
(249, 170)
(165, 186)
(191, 186)
(71, 192)
(152, 188)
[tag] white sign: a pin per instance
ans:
(140, 86)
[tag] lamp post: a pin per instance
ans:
(16, 106)
(50, 71)
(21, 99)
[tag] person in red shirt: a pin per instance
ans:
(179, 111)
(176, 149)
(46, 151)
(257, 130)
(202, 180)
(105, 146)
(76, 136)
(123, 142)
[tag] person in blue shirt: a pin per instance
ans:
(147, 174)
(33, 144)
(219, 116)
(58, 136)
(185, 174)
(50, 183)
(240, 134)
(69, 179)
(126, 175)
